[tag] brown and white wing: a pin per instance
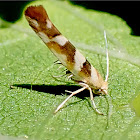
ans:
(66, 53)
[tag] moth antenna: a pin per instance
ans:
(107, 57)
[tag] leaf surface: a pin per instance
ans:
(25, 62)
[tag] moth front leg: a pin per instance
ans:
(93, 103)
(92, 99)
(72, 93)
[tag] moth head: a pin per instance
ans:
(102, 90)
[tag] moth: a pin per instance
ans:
(77, 65)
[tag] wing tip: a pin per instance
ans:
(36, 12)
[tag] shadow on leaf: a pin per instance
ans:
(54, 89)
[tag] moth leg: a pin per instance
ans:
(93, 103)
(84, 86)
(72, 93)
(57, 62)
(92, 99)
(58, 76)
(70, 76)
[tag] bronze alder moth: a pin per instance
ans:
(81, 70)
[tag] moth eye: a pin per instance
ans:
(98, 90)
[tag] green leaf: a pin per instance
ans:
(26, 109)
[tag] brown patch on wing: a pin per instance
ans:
(52, 32)
(86, 69)
(39, 14)
(68, 50)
